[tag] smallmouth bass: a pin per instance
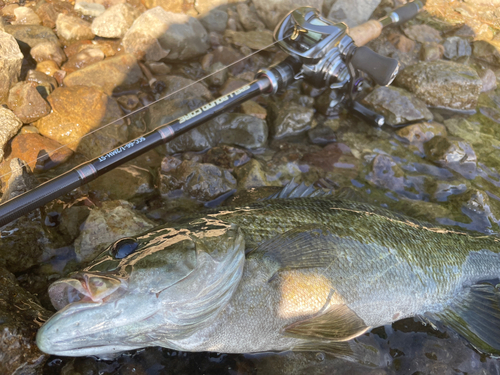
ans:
(309, 273)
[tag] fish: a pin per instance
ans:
(300, 271)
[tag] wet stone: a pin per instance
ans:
(47, 13)
(215, 20)
(89, 9)
(431, 51)
(130, 183)
(115, 21)
(455, 47)
(120, 71)
(83, 59)
(417, 134)
(398, 106)
(253, 109)
(201, 181)
(253, 174)
(104, 225)
(73, 29)
(443, 84)
(10, 126)
(441, 191)
(48, 67)
(10, 64)
(71, 119)
(228, 128)
(290, 119)
(26, 16)
(20, 317)
(455, 154)
(227, 157)
(322, 135)
(48, 51)
(27, 103)
(32, 34)
(159, 34)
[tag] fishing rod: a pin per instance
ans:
(322, 53)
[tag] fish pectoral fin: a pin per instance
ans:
(476, 317)
(338, 323)
(307, 246)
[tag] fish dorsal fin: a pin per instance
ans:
(476, 316)
(295, 190)
(338, 323)
(307, 246)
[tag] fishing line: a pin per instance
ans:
(139, 109)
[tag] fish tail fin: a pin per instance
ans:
(476, 317)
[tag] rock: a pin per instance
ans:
(455, 47)
(47, 13)
(10, 126)
(443, 84)
(423, 33)
(249, 18)
(290, 119)
(441, 191)
(115, 21)
(228, 128)
(417, 134)
(83, 59)
(89, 9)
(489, 80)
(218, 74)
(253, 174)
(227, 157)
(201, 181)
(227, 56)
(129, 183)
(185, 88)
(232, 84)
(26, 16)
(119, 71)
(108, 47)
(48, 67)
(20, 317)
(431, 51)
(487, 51)
(77, 111)
(10, 64)
(397, 105)
(32, 34)
(112, 221)
(159, 34)
(253, 109)
(29, 147)
(401, 42)
(353, 13)
(321, 135)
(178, 6)
(73, 29)
(159, 68)
(455, 154)
(109, 3)
(253, 39)
(27, 103)
(48, 51)
(42, 80)
(19, 181)
(215, 20)
(273, 11)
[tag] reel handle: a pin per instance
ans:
(381, 69)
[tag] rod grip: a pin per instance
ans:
(381, 69)
(407, 12)
(366, 32)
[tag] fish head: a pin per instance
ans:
(151, 290)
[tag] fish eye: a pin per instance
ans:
(123, 247)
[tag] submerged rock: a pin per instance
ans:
(27, 103)
(444, 84)
(159, 34)
(290, 119)
(10, 64)
(455, 154)
(253, 174)
(104, 225)
(417, 134)
(20, 317)
(398, 106)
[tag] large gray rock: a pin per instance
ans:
(10, 125)
(159, 34)
(272, 11)
(444, 84)
(352, 12)
(397, 105)
(10, 64)
(32, 34)
(115, 21)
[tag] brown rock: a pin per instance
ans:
(47, 14)
(82, 59)
(27, 103)
(401, 42)
(79, 110)
(10, 63)
(423, 33)
(72, 28)
(174, 6)
(48, 67)
(48, 51)
(254, 109)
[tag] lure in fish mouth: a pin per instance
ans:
(309, 273)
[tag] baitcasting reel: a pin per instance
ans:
(326, 56)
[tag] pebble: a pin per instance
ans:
(455, 47)
(32, 34)
(431, 51)
(249, 18)
(115, 21)
(253, 174)
(215, 21)
(83, 59)
(48, 51)
(353, 13)
(89, 9)
(423, 33)
(27, 103)
(10, 64)
(72, 29)
(26, 16)
(159, 34)
(455, 154)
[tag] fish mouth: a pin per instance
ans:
(84, 287)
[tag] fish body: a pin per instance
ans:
(283, 274)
